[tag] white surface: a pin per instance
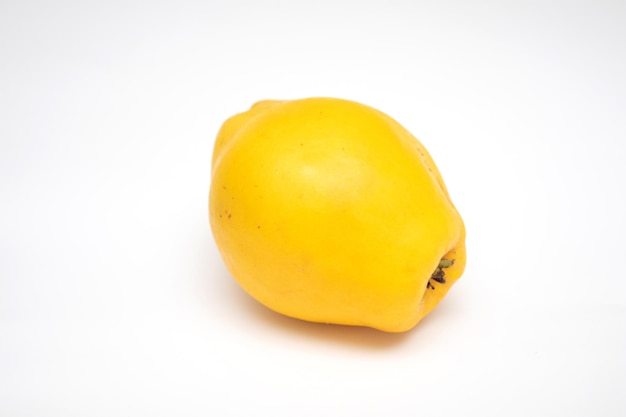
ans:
(113, 298)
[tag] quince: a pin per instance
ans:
(329, 211)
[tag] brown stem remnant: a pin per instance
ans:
(439, 274)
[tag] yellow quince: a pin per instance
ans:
(329, 211)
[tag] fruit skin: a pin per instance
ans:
(329, 211)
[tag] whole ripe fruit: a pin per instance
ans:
(329, 211)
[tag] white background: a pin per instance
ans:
(114, 300)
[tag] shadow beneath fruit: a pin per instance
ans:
(246, 308)
(362, 337)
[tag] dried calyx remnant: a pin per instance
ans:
(439, 274)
